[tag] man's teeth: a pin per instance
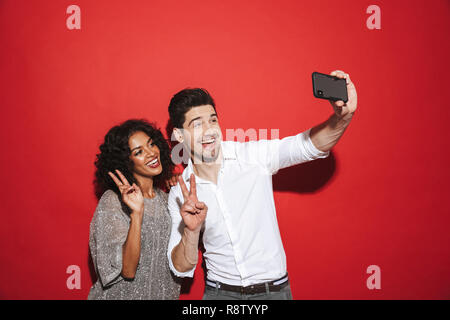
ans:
(152, 162)
(209, 141)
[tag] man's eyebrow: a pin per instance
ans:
(193, 120)
(141, 146)
(212, 115)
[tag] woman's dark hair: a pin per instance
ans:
(184, 101)
(115, 154)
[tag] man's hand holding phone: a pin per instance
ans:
(340, 107)
(338, 89)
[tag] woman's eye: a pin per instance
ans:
(138, 153)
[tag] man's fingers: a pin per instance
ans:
(347, 78)
(200, 205)
(337, 72)
(189, 208)
(193, 208)
(122, 177)
(342, 75)
(183, 187)
(193, 185)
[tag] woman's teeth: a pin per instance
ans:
(153, 163)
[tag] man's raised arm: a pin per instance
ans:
(325, 135)
(184, 256)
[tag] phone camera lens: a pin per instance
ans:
(320, 92)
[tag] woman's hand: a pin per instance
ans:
(131, 194)
(192, 211)
(172, 181)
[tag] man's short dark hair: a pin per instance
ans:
(184, 101)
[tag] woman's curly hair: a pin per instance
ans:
(115, 154)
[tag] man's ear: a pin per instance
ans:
(178, 135)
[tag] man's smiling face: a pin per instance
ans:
(202, 133)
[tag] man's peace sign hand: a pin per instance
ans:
(192, 211)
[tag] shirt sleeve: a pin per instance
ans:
(109, 231)
(175, 202)
(277, 154)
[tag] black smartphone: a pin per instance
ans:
(329, 87)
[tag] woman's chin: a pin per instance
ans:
(150, 172)
(156, 171)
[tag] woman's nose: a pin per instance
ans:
(151, 152)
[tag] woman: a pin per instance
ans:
(130, 230)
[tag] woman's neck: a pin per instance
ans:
(146, 185)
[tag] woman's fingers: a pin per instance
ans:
(129, 190)
(173, 181)
(122, 177)
(116, 180)
(135, 188)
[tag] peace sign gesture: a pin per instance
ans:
(192, 211)
(131, 195)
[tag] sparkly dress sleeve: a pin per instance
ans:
(108, 233)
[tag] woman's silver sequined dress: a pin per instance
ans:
(108, 232)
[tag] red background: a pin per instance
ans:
(381, 197)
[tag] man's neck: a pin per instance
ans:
(208, 170)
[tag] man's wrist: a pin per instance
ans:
(190, 243)
(346, 117)
(338, 121)
(191, 237)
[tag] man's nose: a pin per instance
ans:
(206, 127)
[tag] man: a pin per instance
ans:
(226, 193)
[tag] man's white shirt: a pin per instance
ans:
(240, 235)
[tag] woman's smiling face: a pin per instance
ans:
(145, 155)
